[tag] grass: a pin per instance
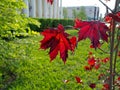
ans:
(34, 71)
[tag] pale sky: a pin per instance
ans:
(111, 3)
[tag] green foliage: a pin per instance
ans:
(24, 67)
(12, 21)
(47, 23)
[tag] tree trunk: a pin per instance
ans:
(117, 6)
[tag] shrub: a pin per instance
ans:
(13, 22)
(47, 23)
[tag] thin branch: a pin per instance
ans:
(103, 51)
(106, 6)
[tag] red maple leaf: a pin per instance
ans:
(92, 85)
(50, 1)
(108, 19)
(119, 78)
(57, 40)
(78, 79)
(97, 66)
(73, 41)
(106, 86)
(94, 30)
(91, 61)
(88, 68)
(105, 60)
(101, 76)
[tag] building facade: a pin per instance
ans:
(92, 12)
(43, 9)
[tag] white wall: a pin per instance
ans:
(43, 9)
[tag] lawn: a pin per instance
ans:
(26, 67)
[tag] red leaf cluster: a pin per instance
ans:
(57, 40)
(111, 16)
(94, 30)
(50, 1)
(94, 62)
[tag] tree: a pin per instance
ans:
(117, 6)
(65, 13)
(95, 31)
(74, 13)
(81, 14)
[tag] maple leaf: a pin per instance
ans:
(92, 85)
(73, 41)
(94, 30)
(108, 19)
(50, 1)
(105, 60)
(78, 79)
(101, 76)
(97, 66)
(57, 40)
(88, 68)
(106, 86)
(91, 61)
(90, 53)
(118, 78)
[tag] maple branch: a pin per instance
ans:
(111, 54)
(106, 6)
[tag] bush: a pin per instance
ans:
(13, 22)
(46, 23)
